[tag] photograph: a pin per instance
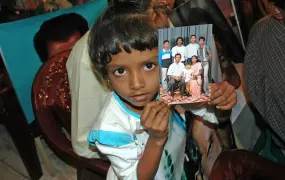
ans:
(185, 59)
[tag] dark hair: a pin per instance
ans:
(195, 57)
(178, 54)
(202, 38)
(179, 38)
(123, 26)
(165, 41)
(192, 35)
(58, 29)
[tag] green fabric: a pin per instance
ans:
(268, 148)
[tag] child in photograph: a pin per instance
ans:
(196, 80)
(179, 49)
(188, 75)
(140, 135)
(191, 48)
(165, 60)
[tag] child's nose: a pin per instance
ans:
(137, 81)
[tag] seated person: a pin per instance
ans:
(196, 80)
(175, 73)
(59, 34)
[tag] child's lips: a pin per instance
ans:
(140, 97)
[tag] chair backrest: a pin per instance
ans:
(19, 55)
(51, 89)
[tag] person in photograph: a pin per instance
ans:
(204, 55)
(187, 76)
(175, 75)
(191, 48)
(165, 60)
(196, 80)
(179, 49)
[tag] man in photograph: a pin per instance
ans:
(175, 75)
(204, 55)
(179, 49)
(191, 48)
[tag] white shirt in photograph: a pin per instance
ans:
(115, 134)
(191, 50)
(188, 74)
(176, 69)
(181, 50)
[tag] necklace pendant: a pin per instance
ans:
(139, 131)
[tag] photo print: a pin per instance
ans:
(186, 63)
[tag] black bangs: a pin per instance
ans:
(121, 33)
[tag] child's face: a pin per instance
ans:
(135, 76)
(188, 67)
(166, 45)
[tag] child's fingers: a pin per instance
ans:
(146, 110)
(164, 123)
(149, 118)
(159, 117)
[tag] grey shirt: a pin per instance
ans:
(203, 53)
(265, 73)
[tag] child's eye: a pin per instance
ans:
(119, 72)
(149, 66)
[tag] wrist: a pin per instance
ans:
(223, 115)
(158, 142)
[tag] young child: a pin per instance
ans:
(140, 136)
(187, 75)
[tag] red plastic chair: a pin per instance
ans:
(52, 108)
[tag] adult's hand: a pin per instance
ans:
(223, 95)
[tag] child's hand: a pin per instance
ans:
(223, 95)
(154, 118)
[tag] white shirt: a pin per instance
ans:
(87, 96)
(176, 69)
(191, 50)
(114, 134)
(181, 50)
(188, 74)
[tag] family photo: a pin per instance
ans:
(185, 60)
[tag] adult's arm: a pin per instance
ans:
(87, 95)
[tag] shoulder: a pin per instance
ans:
(111, 116)
(171, 66)
(261, 27)
(79, 54)
(110, 127)
(181, 64)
